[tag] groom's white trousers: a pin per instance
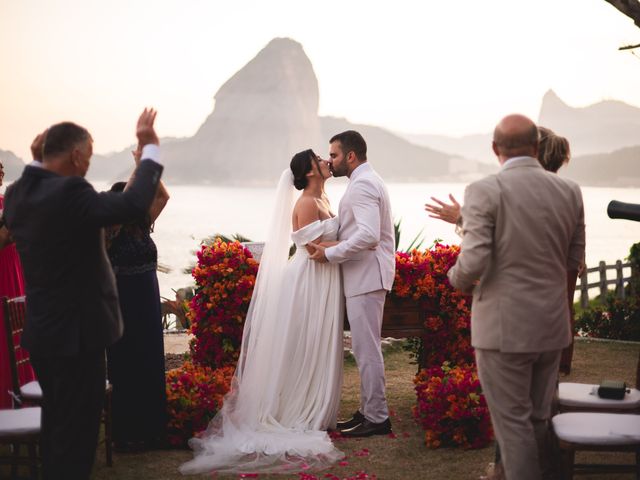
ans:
(365, 319)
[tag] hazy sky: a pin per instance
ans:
(422, 66)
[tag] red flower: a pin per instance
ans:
(451, 407)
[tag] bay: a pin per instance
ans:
(196, 212)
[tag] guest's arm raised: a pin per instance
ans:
(109, 208)
(36, 146)
(479, 213)
(443, 211)
(162, 195)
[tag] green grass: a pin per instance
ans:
(403, 457)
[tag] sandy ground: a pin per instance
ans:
(178, 343)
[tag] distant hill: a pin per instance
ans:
(476, 147)
(268, 110)
(603, 127)
(264, 114)
(620, 168)
(604, 138)
(397, 160)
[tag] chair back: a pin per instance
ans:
(14, 310)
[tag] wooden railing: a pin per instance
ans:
(603, 282)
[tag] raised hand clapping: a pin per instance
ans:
(444, 211)
(144, 130)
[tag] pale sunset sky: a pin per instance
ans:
(413, 66)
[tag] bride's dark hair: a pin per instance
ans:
(301, 165)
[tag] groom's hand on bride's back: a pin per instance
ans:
(318, 254)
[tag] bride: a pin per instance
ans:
(286, 389)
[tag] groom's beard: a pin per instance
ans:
(338, 172)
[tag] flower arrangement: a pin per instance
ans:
(422, 276)
(451, 407)
(194, 395)
(225, 276)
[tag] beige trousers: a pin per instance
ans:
(365, 319)
(519, 388)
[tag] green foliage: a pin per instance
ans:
(617, 319)
(416, 243)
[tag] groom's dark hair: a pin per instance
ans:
(351, 141)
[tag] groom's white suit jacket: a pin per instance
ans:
(365, 222)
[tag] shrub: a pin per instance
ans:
(422, 276)
(194, 396)
(225, 276)
(617, 319)
(451, 407)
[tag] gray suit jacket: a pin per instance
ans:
(523, 229)
(365, 222)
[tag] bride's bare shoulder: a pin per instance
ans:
(305, 212)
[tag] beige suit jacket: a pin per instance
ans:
(523, 228)
(365, 222)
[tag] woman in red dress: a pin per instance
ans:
(11, 285)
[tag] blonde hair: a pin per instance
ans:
(553, 150)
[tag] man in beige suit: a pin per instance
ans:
(523, 229)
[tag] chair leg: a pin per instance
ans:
(108, 439)
(16, 460)
(568, 460)
(33, 461)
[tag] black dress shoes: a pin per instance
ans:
(354, 421)
(367, 429)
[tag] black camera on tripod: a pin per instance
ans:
(628, 211)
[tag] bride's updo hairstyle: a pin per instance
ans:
(301, 165)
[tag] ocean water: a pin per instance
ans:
(196, 212)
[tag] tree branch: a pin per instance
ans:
(631, 8)
(629, 47)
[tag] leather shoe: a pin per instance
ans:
(367, 429)
(354, 421)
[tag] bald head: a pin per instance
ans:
(515, 136)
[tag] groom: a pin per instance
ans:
(366, 252)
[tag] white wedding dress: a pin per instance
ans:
(286, 389)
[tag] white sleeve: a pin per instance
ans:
(151, 151)
(308, 233)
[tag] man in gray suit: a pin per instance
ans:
(523, 230)
(366, 253)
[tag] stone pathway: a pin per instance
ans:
(178, 343)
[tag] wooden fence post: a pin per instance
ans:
(602, 269)
(619, 280)
(584, 289)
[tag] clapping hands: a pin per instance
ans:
(444, 211)
(144, 130)
(37, 145)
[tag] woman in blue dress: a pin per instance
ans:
(135, 363)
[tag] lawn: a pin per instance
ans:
(402, 456)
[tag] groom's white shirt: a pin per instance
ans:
(365, 222)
